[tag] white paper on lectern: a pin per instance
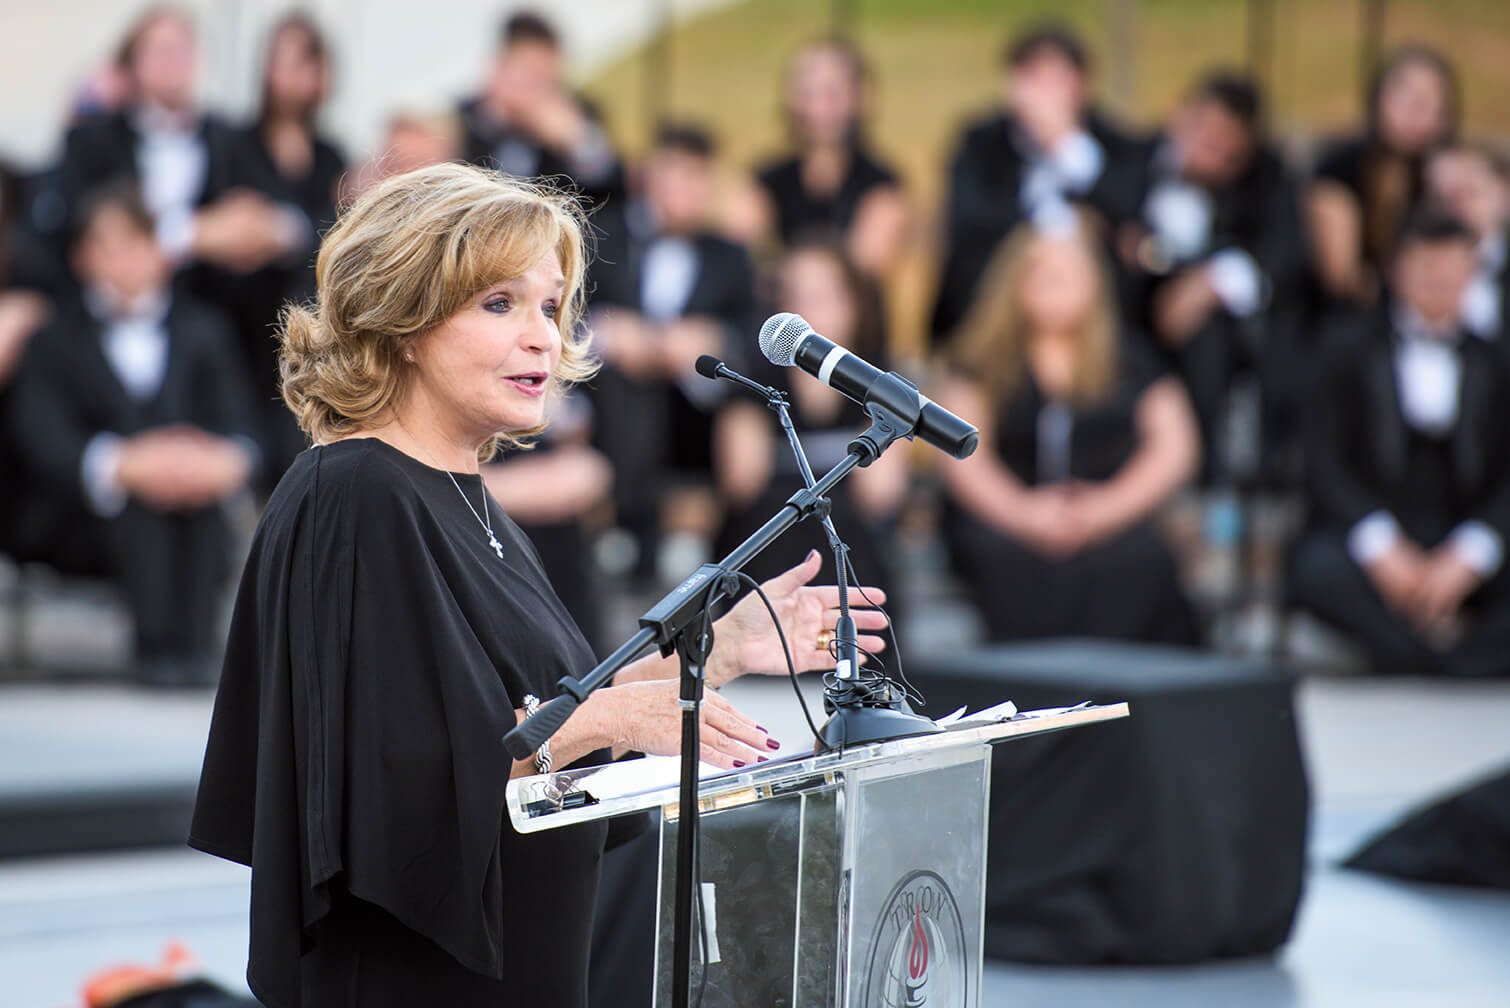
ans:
(1004, 711)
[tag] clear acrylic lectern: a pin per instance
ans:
(852, 880)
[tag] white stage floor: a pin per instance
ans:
(1376, 748)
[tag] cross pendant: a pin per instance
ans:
(497, 546)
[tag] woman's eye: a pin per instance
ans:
(497, 305)
(551, 308)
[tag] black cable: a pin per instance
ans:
(906, 686)
(786, 651)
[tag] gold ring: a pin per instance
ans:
(825, 639)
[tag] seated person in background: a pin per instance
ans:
(184, 161)
(1408, 447)
(1214, 262)
(1362, 186)
(133, 422)
(1471, 181)
(24, 306)
(554, 491)
(665, 291)
(526, 121)
(1047, 145)
(414, 139)
(756, 469)
(1082, 439)
(831, 187)
(284, 158)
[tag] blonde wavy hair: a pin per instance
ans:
(991, 343)
(403, 258)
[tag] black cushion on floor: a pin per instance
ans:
(1461, 840)
(1172, 836)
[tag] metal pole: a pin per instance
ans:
(1370, 43)
(1260, 41)
(657, 69)
(1122, 72)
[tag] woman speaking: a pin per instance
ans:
(393, 623)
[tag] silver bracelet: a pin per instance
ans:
(543, 754)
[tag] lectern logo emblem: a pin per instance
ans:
(917, 953)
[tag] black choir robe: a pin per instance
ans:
(483, 138)
(650, 431)
(255, 300)
(103, 149)
(985, 203)
(171, 567)
(1362, 456)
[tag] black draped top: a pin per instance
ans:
(378, 650)
(1044, 442)
(802, 214)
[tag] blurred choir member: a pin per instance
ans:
(183, 159)
(527, 122)
(1046, 145)
(1214, 263)
(555, 491)
(134, 425)
(25, 285)
(756, 469)
(283, 157)
(1471, 181)
(1083, 439)
(831, 186)
(1409, 455)
(102, 89)
(1363, 186)
(667, 290)
(414, 139)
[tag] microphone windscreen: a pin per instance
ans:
(780, 337)
(707, 365)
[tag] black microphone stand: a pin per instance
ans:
(680, 622)
(863, 706)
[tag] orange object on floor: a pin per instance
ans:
(111, 986)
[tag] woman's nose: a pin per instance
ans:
(541, 334)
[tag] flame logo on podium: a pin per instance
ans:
(918, 957)
(917, 963)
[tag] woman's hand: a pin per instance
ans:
(646, 717)
(745, 641)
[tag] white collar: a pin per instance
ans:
(150, 307)
(151, 118)
(1413, 328)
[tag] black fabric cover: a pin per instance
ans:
(1463, 839)
(1172, 836)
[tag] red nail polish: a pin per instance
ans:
(771, 743)
(763, 730)
(761, 759)
(738, 764)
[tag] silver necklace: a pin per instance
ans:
(485, 522)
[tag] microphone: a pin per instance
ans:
(787, 340)
(711, 367)
(707, 365)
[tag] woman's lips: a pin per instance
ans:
(531, 383)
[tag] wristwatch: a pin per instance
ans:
(543, 754)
